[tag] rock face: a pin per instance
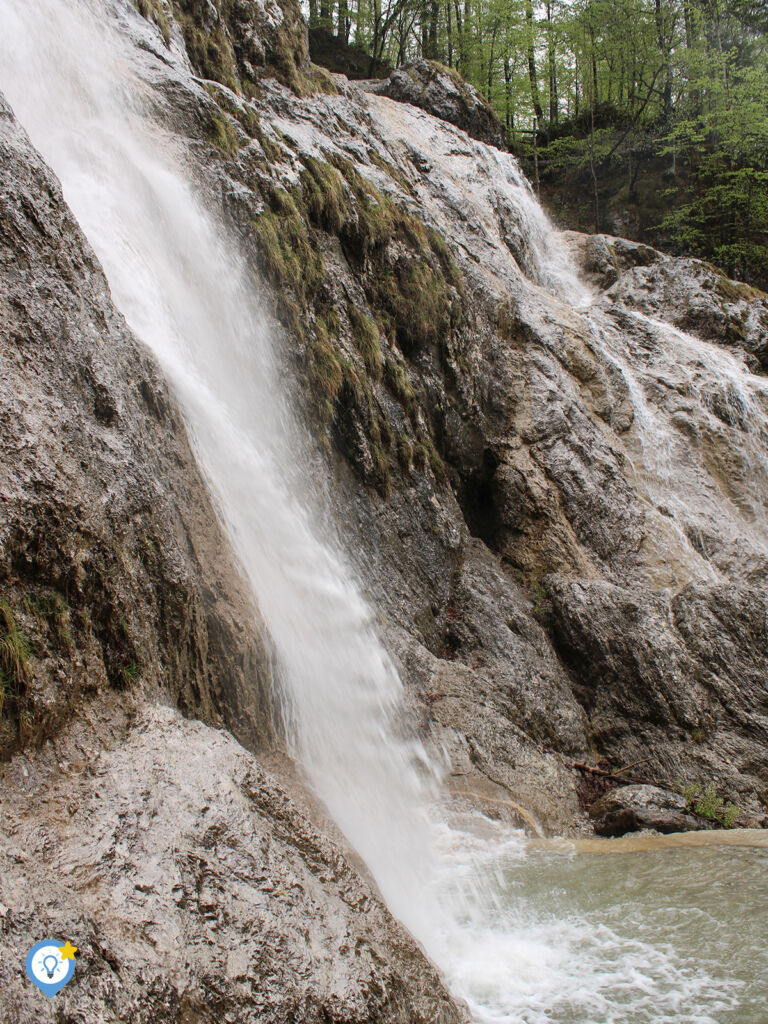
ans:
(555, 495)
(694, 296)
(113, 567)
(444, 93)
(194, 887)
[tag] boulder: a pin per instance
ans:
(630, 808)
(202, 894)
(443, 92)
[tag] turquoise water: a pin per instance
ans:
(645, 937)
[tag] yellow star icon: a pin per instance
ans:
(67, 951)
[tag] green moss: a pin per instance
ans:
(51, 610)
(323, 193)
(404, 452)
(370, 217)
(417, 297)
(390, 169)
(365, 334)
(735, 291)
(287, 255)
(385, 432)
(223, 135)
(435, 460)
(154, 10)
(417, 301)
(324, 371)
(290, 314)
(315, 79)
(396, 379)
(129, 674)
(210, 53)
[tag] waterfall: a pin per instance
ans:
(68, 69)
(176, 277)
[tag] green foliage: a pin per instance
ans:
(659, 107)
(703, 800)
(365, 334)
(130, 674)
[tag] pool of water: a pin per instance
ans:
(558, 935)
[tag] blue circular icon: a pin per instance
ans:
(48, 968)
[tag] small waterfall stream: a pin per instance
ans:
(67, 69)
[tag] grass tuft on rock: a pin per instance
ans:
(365, 334)
(223, 135)
(14, 657)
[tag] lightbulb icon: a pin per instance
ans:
(50, 963)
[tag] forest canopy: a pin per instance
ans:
(650, 116)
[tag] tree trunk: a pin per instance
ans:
(449, 32)
(342, 28)
(532, 75)
(661, 33)
(553, 105)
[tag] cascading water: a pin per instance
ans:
(67, 68)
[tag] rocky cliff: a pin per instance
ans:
(555, 494)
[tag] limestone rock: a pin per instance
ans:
(442, 92)
(543, 482)
(113, 564)
(630, 808)
(194, 887)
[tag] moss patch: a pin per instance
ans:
(14, 661)
(365, 334)
(736, 291)
(222, 134)
(414, 296)
(154, 10)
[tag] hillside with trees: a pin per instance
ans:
(646, 118)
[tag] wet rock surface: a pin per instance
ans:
(193, 885)
(554, 493)
(690, 294)
(534, 475)
(443, 92)
(114, 570)
(631, 808)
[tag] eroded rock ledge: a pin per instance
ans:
(194, 886)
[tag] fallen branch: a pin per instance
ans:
(581, 767)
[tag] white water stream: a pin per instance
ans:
(66, 68)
